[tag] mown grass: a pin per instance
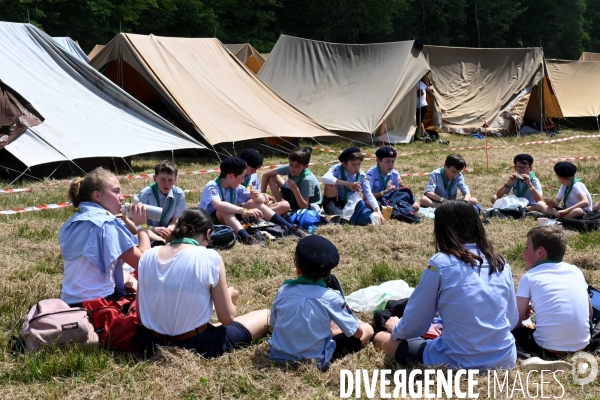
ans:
(31, 268)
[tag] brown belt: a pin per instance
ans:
(183, 336)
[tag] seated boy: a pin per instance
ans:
(254, 161)
(225, 197)
(346, 178)
(383, 178)
(163, 193)
(558, 294)
(572, 193)
(305, 310)
(302, 188)
(523, 183)
(444, 183)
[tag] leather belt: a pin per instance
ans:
(183, 336)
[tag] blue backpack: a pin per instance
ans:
(305, 218)
(222, 237)
(401, 200)
(361, 215)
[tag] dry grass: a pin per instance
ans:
(31, 267)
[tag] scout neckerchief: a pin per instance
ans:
(185, 241)
(521, 187)
(568, 190)
(247, 181)
(166, 210)
(546, 262)
(303, 281)
(222, 191)
(383, 181)
(299, 179)
(343, 175)
(448, 185)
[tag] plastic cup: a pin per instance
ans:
(542, 221)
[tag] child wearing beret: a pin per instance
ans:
(309, 320)
(572, 193)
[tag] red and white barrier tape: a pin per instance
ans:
(53, 206)
(15, 190)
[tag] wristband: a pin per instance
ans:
(566, 211)
(244, 211)
(382, 193)
(142, 226)
(507, 186)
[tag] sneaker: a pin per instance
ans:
(253, 240)
(298, 232)
(537, 364)
(445, 142)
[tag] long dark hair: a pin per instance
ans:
(193, 221)
(456, 224)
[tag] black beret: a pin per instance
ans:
(346, 153)
(317, 253)
(385, 151)
(252, 157)
(565, 169)
(232, 164)
(523, 157)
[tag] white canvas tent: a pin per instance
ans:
(72, 47)
(577, 86)
(587, 56)
(86, 115)
(352, 89)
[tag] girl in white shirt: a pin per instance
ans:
(178, 284)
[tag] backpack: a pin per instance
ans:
(515, 211)
(222, 237)
(589, 222)
(401, 201)
(361, 215)
(305, 218)
(116, 322)
(53, 322)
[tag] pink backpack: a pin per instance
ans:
(53, 323)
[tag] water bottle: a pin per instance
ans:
(153, 213)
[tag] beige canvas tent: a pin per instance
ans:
(586, 56)
(577, 86)
(248, 55)
(474, 86)
(95, 50)
(200, 81)
(352, 89)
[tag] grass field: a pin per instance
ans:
(31, 266)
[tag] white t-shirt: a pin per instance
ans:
(84, 281)
(422, 99)
(174, 295)
(573, 198)
(559, 297)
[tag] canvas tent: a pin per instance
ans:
(95, 50)
(248, 55)
(352, 89)
(71, 47)
(16, 115)
(86, 115)
(474, 86)
(586, 56)
(577, 86)
(203, 83)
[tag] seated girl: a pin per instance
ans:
(178, 284)
(94, 243)
(471, 287)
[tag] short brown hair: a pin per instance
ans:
(166, 167)
(551, 238)
(356, 156)
(301, 155)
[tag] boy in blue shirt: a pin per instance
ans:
(523, 183)
(444, 183)
(225, 198)
(346, 178)
(254, 161)
(163, 193)
(383, 177)
(302, 189)
(309, 320)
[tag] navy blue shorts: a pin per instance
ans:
(213, 342)
(411, 350)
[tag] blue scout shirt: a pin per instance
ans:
(252, 181)
(336, 173)
(521, 189)
(172, 204)
(436, 185)
(301, 319)
(376, 176)
(309, 186)
(479, 311)
(212, 191)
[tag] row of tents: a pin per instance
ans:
(216, 95)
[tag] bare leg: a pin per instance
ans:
(427, 202)
(330, 191)
(493, 199)
(276, 183)
(415, 206)
(383, 341)
(257, 322)
(281, 207)
(473, 201)
(367, 333)
(229, 220)
(576, 213)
